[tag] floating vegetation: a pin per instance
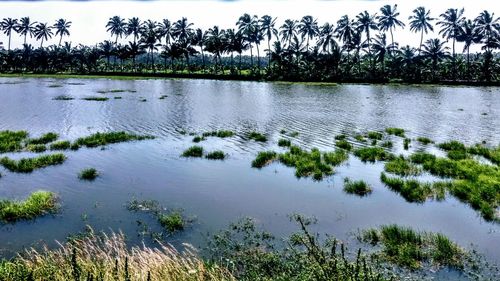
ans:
(63, 97)
(360, 138)
(359, 187)
(216, 155)
(372, 154)
(395, 131)
(340, 137)
(452, 145)
(410, 189)
(60, 145)
(336, 157)
(219, 134)
(115, 91)
(89, 174)
(284, 142)
(92, 98)
(37, 204)
(343, 144)
(55, 86)
(172, 221)
(198, 139)
(27, 165)
(143, 100)
(37, 148)
(424, 140)
(257, 137)
(11, 141)
(44, 139)
(193, 151)
(163, 97)
(264, 158)
(375, 135)
(409, 248)
(402, 167)
(406, 143)
(100, 139)
(283, 131)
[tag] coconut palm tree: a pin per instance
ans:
(166, 30)
(420, 21)
(488, 27)
(381, 49)
(26, 27)
(8, 25)
(198, 39)
(149, 39)
(107, 49)
(134, 50)
(364, 23)
(468, 35)
(133, 28)
(327, 37)
(435, 51)
(308, 28)
(43, 31)
(267, 28)
(246, 26)
(215, 44)
(452, 21)
(388, 19)
(287, 31)
(116, 25)
(182, 30)
(62, 28)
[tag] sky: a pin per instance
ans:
(89, 17)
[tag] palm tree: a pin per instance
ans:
(106, 48)
(287, 31)
(182, 30)
(133, 28)
(26, 27)
(62, 28)
(468, 36)
(487, 26)
(345, 31)
(246, 26)
(308, 27)
(166, 30)
(365, 22)
(149, 39)
(134, 50)
(421, 21)
(215, 44)
(327, 37)
(388, 20)
(8, 25)
(435, 51)
(43, 31)
(267, 28)
(381, 48)
(451, 28)
(198, 39)
(116, 25)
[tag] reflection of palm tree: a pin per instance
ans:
(26, 27)
(62, 28)
(451, 28)
(43, 32)
(421, 21)
(388, 20)
(8, 25)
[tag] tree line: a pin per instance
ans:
(352, 49)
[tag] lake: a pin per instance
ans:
(219, 192)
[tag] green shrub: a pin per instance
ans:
(193, 151)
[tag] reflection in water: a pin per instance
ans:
(219, 192)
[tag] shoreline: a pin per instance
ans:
(229, 77)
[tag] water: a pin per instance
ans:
(221, 192)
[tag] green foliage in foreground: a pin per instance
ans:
(359, 187)
(409, 248)
(27, 165)
(216, 155)
(89, 174)
(372, 154)
(11, 141)
(100, 139)
(193, 151)
(37, 204)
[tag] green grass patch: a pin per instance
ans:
(27, 165)
(360, 138)
(452, 145)
(402, 167)
(11, 141)
(284, 142)
(410, 189)
(386, 144)
(37, 148)
(396, 132)
(216, 155)
(375, 135)
(93, 98)
(60, 145)
(198, 139)
(406, 143)
(359, 187)
(88, 174)
(264, 158)
(172, 222)
(372, 154)
(335, 158)
(100, 139)
(344, 144)
(424, 140)
(63, 97)
(340, 137)
(193, 151)
(219, 134)
(37, 204)
(257, 137)
(44, 139)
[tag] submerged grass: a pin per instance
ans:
(27, 165)
(37, 204)
(284, 142)
(193, 151)
(100, 139)
(88, 174)
(359, 187)
(216, 155)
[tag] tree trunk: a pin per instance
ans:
(60, 40)
(251, 57)
(258, 57)
(421, 41)
(268, 53)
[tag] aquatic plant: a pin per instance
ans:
(114, 91)
(336, 157)
(27, 165)
(38, 148)
(372, 154)
(172, 221)
(311, 163)
(60, 145)
(89, 174)
(360, 138)
(163, 97)
(193, 151)
(117, 98)
(424, 140)
(219, 134)
(452, 145)
(406, 143)
(284, 142)
(422, 157)
(37, 204)
(343, 144)
(11, 141)
(410, 189)
(63, 97)
(386, 144)
(359, 187)
(92, 98)
(340, 137)
(216, 155)
(44, 139)
(100, 139)
(143, 100)
(294, 134)
(375, 135)
(198, 139)
(54, 85)
(395, 131)
(264, 158)
(402, 167)
(257, 137)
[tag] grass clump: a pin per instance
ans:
(11, 141)
(343, 144)
(452, 145)
(92, 98)
(411, 190)
(44, 139)
(198, 139)
(37, 204)
(372, 154)
(63, 97)
(257, 137)
(406, 143)
(172, 222)
(284, 142)
(219, 134)
(340, 137)
(216, 155)
(402, 167)
(60, 145)
(100, 139)
(424, 140)
(27, 165)
(193, 151)
(386, 144)
(359, 138)
(264, 158)
(395, 131)
(375, 135)
(336, 157)
(359, 187)
(89, 174)
(37, 148)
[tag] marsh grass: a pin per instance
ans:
(386, 144)
(88, 174)
(37, 148)
(63, 97)
(406, 143)
(162, 97)
(93, 98)
(44, 139)
(100, 139)
(284, 142)
(424, 140)
(172, 222)
(219, 134)
(37, 204)
(60, 145)
(395, 131)
(27, 165)
(11, 141)
(216, 155)
(340, 137)
(360, 138)
(257, 137)
(372, 154)
(115, 91)
(410, 189)
(402, 167)
(193, 151)
(55, 86)
(264, 158)
(358, 187)
(198, 139)
(294, 134)
(375, 135)
(344, 144)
